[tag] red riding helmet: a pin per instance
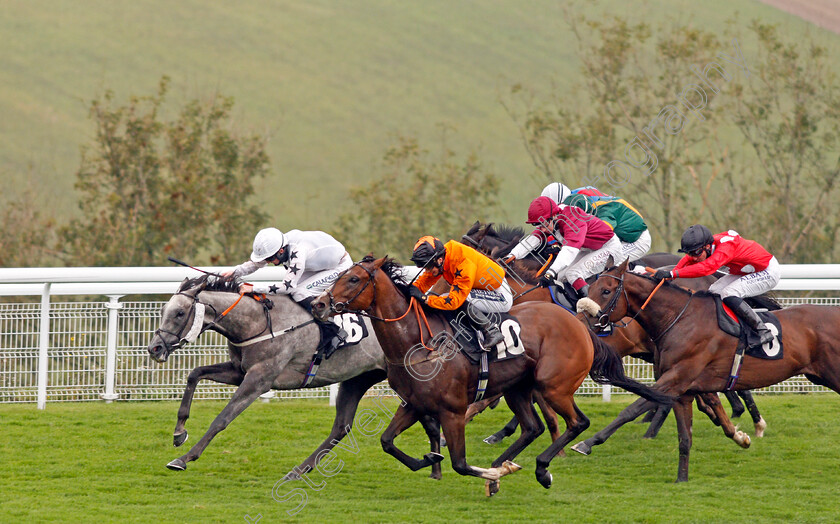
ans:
(541, 210)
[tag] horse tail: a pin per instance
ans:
(607, 368)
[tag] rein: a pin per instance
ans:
(343, 307)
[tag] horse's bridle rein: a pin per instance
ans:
(342, 307)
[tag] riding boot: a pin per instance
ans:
(745, 313)
(584, 291)
(331, 335)
(491, 332)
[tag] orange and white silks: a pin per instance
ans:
(464, 269)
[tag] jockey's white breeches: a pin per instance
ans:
(749, 285)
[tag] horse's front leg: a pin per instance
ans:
(735, 402)
(403, 419)
(224, 373)
(257, 381)
(683, 413)
(350, 392)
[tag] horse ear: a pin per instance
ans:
(609, 263)
(623, 267)
(378, 262)
(474, 228)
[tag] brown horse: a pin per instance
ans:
(559, 351)
(627, 338)
(693, 356)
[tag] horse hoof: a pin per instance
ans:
(742, 439)
(760, 426)
(545, 479)
(492, 439)
(433, 458)
(435, 475)
(177, 465)
(491, 487)
(180, 438)
(582, 447)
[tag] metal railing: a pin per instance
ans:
(83, 351)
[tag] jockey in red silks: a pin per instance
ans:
(627, 222)
(752, 270)
(587, 243)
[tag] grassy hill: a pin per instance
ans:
(330, 82)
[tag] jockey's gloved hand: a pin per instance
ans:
(662, 274)
(548, 278)
(415, 292)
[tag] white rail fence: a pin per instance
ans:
(96, 350)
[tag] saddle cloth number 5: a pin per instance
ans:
(512, 344)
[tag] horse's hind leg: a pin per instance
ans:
(403, 419)
(453, 427)
(254, 384)
(718, 413)
(628, 414)
(432, 428)
(576, 423)
(224, 373)
(683, 413)
(656, 422)
(519, 402)
(350, 392)
(550, 417)
(735, 402)
(508, 430)
(758, 420)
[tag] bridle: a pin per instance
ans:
(194, 325)
(604, 317)
(343, 307)
(197, 326)
(606, 311)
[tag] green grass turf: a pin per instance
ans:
(105, 463)
(330, 82)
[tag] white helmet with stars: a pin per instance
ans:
(267, 242)
(557, 192)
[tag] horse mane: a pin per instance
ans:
(213, 283)
(761, 301)
(507, 233)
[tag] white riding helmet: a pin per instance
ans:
(557, 192)
(267, 242)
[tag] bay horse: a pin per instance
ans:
(694, 356)
(559, 351)
(271, 346)
(627, 338)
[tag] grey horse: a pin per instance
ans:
(271, 344)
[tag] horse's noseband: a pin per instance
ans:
(341, 307)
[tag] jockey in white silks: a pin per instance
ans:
(313, 261)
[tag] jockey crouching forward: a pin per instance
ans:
(474, 278)
(752, 270)
(587, 243)
(313, 261)
(626, 221)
